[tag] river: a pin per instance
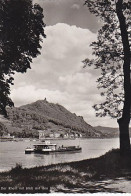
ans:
(13, 152)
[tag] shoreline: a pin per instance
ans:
(36, 139)
(91, 175)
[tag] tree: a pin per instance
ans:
(112, 57)
(21, 31)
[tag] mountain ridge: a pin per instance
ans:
(26, 120)
(110, 131)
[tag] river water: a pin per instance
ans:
(13, 152)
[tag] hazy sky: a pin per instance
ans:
(58, 73)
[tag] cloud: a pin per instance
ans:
(58, 73)
(75, 6)
(71, 12)
(62, 53)
(64, 49)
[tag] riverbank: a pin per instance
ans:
(103, 174)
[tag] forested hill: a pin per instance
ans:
(110, 132)
(42, 115)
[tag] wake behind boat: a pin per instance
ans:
(47, 148)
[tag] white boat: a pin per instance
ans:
(47, 148)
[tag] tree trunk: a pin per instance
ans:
(124, 137)
(125, 120)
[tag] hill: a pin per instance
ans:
(25, 121)
(109, 132)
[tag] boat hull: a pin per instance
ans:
(65, 150)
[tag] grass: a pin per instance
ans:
(81, 176)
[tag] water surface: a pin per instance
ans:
(13, 152)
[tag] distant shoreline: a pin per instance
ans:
(36, 139)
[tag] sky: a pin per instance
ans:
(58, 74)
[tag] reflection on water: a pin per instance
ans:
(13, 152)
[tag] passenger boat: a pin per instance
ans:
(47, 148)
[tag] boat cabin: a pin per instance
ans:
(45, 147)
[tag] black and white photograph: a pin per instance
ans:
(65, 96)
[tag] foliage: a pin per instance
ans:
(21, 31)
(109, 55)
(17, 168)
